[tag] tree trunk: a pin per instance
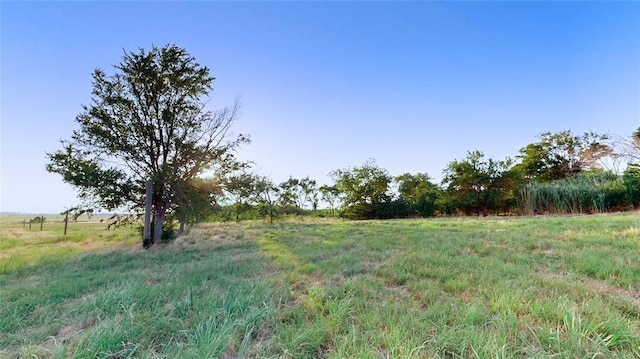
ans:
(159, 221)
(181, 229)
(270, 213)
(146, 233)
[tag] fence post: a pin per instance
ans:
(146, 232)
(66, 221)
(41, 221)
(24, 223)
(30, 223)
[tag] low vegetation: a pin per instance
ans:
(585, 193)
(542, 287)
(22, 246)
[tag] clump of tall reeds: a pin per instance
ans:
(583, 193)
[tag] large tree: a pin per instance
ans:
(418, 191)
(147, 127)
(563, 154)
(476, 185)
(364, 189)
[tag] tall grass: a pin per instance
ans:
(584, 193)
(542, 287)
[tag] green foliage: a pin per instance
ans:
(196, 199)
(169, 232)
(108, 188)
(633, 154)
(631, 179)
(363, 190)
(563, 154)
(476, 185)
(240, 187)
(268, 195)
(297, 192)
(419, 193)
(331, 195)
(147, 122)
(590, 192)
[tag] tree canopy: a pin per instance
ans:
(363, 189)
(148, 122)
(477, 185)
(562, 154)
(419, 192)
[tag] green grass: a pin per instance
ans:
(22, 246)
(544, 287)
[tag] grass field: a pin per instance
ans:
(548, 287)
(21, 245)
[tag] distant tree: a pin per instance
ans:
(196, 201)
(298, 192)
(268, 193)
(633, 154)
(331, 195)
(147, 123)
(628, 148)
(563, 154)
(419, 192)
(477, 185)
(507, 184)
(363, 189)
(314, 197)
(240, 188)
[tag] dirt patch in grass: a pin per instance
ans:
(600, 286)
(546, 252)
(595, 286)
(469, 251)
(69, 331)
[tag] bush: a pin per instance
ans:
(383, 210)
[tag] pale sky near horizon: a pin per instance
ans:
(328, 85)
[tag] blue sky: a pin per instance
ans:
(327, 85)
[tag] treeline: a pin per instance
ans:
(146, 140)
(561, 173)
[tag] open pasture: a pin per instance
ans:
(544, 287)
(21, 246)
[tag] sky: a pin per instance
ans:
(328, 85)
